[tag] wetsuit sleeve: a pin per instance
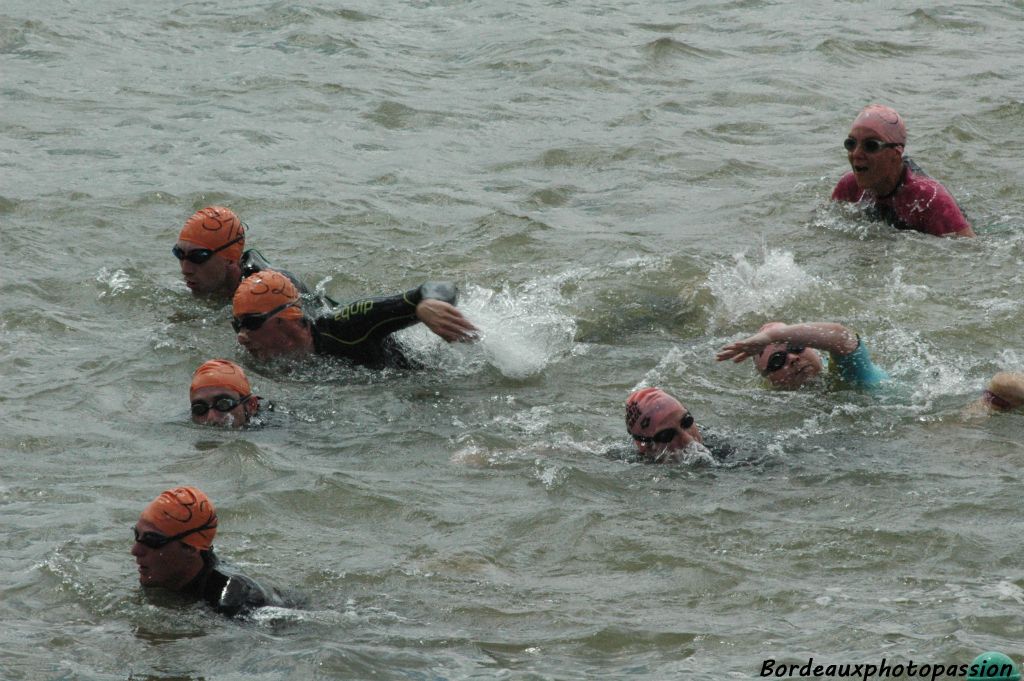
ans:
(857, 368)
(369, 320)
(234, 594)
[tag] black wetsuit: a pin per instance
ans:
(253, 262)
(361, 330)
(229, 592)
(719, 447)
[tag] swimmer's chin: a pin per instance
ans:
(693, 453)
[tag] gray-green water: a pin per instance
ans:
(619, 189)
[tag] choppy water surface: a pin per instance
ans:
(619, 189)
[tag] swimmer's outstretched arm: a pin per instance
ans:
(446, 320)
(828, 336)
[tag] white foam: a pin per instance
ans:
(745, 287)
(117, 282)
(521, 331)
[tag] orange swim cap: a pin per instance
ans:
(884, 122)
(265, 291)
(220, 373)
(214, 226)
(647, 409)
(184, 509)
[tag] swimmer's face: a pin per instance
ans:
(878, 171)
(276, 337)
(210, 396)
(678, 423)
(798, 367)
(213, 276)
(170, 567)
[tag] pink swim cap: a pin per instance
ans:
(649, 410)
(884, 122)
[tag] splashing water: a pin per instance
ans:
(521, 333)
(117, 282)
(745, 287)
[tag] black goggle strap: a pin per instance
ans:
(218, 404)
(665, 436)
(778, 359)
(201, 255)
(156, 540)
(871, 145)
(246, 320)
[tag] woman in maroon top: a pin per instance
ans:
(893, 186)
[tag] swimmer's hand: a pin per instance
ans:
(740, 350)
(446, 321)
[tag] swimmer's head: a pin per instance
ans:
(267, 315)
(1005, 392)
(221, 396)
(183, 514)
(786, 365)
(209, 250)
(886, 124)
(171, 535)
(659, 423)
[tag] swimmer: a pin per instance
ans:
(210, 250)
(883, 177)
(270, 320)
(221, 396)
(788, 356)
(173, 549)
(662, 428)
(660, 425)
(1005, 392)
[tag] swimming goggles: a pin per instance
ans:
(201, 255)
(872, 146)
(155, 540)
(221, 403)
(251, 322)
(663, 437)
(778, 359)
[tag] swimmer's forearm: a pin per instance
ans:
(827, 336)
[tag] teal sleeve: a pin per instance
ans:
(857, 368)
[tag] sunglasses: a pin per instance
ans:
(251, 322)
(663, 437)
(155, 540)
(778, 359)
(201, 255)
(221, 403)
(872, 146)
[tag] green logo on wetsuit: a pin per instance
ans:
(358, 308)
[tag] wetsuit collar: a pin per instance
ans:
(198, 583)
(904, 175)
